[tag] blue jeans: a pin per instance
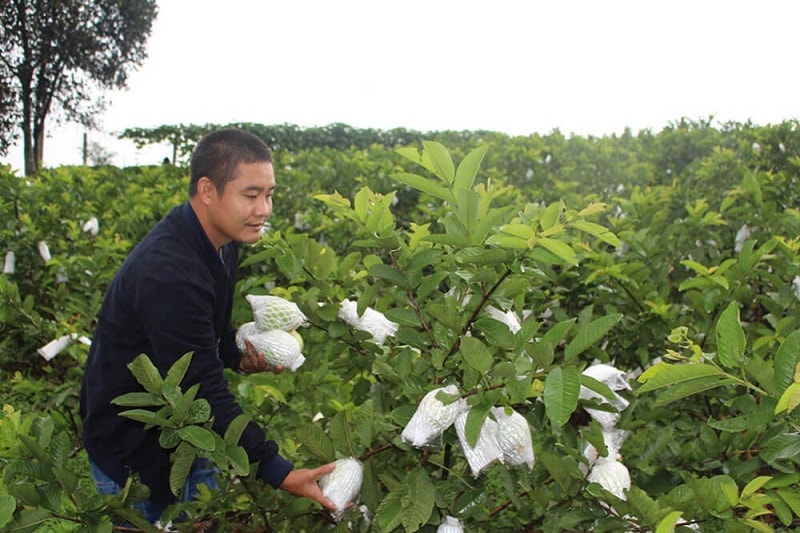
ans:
(202, 472)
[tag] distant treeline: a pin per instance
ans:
(293, 138)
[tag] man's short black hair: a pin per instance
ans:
(218, 154)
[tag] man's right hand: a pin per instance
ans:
(303, 482)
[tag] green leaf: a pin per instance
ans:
(551, 215)
(476, 354)
(555, 466)
(8, 505)
(425, 185)
(693, 386)
(601, 232)
(389, 274)
(560, 249)
(558, 332)
(31, 520)
(791, 498)
(235, 429)
(139, 399)
(418, 504)
(561, 391)
(404, 317)
(182, 460)
(389, 515)
(779, 447)
(782, 511)
(468, 168)
(761, 527)
(170, 392)
(786, 359)
(589, 334)
(183, 404)
(754, 486)
(664, 374)
(697, 267)
(336, 200)
(789, 399)
(758, 420)
(487, 223)
(667, 524)
(476, 416)
(496, 333)
(316, 441)
(147, 417)
(146, 374)
(177, 371)
(341, 435)
(468, 209)
(239, 461)
(593, 209)
(169, 438)
(199, 412)
(26, 492)
(730, 336)
(438, 160)
(199, 436)
(598, 386)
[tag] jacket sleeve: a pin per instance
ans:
(177, 314)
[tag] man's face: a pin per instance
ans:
(239, 213)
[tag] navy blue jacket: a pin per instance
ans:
(172, 295)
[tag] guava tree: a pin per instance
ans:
(476, 253)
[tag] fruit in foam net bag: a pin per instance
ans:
(244, 331)
(274, 312)
(343, 485)
(278, 347)
(294, 333)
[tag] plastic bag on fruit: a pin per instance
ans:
(486, 450)
(432, 418)
(613, 377)
(509, 318)
(450, 525)
(371, 321)
(616, 380)
(514, 437)
(9, 266)
(612, 475)
(613, 439)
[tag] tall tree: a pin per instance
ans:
(57, 55)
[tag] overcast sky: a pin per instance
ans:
(583, 67)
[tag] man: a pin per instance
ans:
(173, 295)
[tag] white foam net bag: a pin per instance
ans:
(371, 321)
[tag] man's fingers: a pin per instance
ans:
(323, 470)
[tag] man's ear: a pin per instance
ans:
(205, 189)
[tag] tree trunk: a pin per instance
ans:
(38, 144)
(27, 149)
(29, 133)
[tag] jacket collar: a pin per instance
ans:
(199, 239)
